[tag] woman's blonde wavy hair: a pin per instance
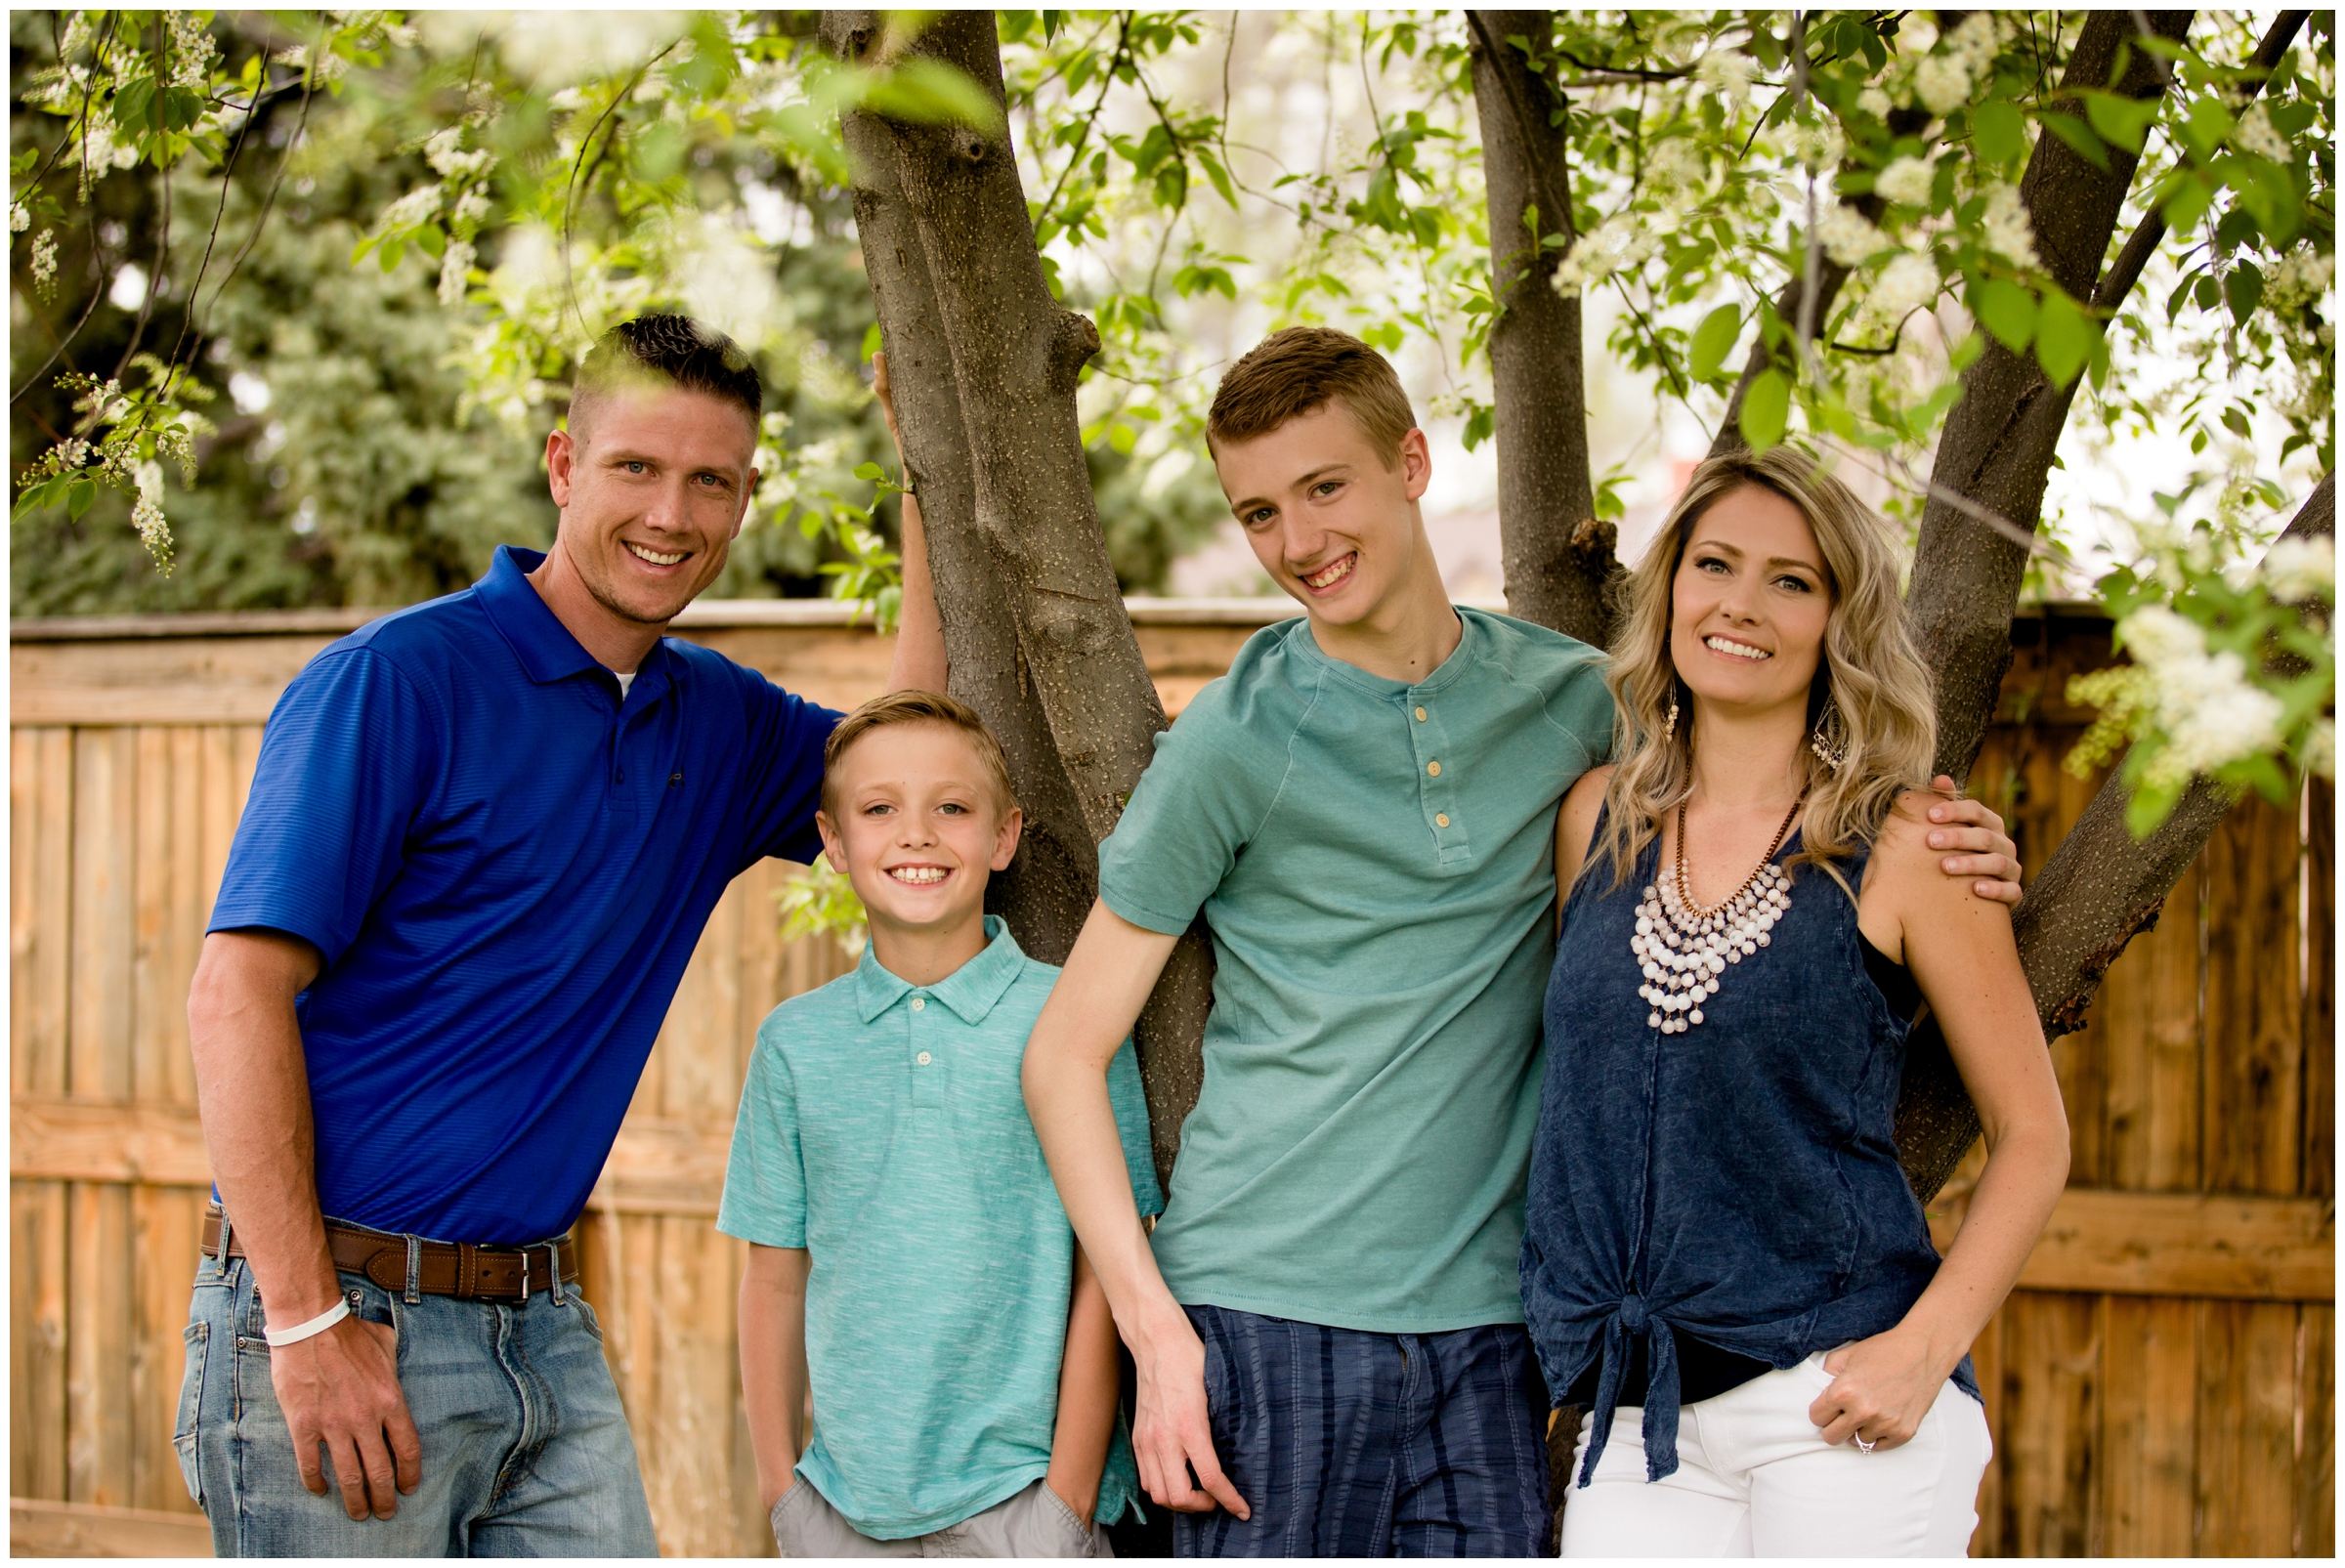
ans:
(1869, 669)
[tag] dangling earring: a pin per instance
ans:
(1669, 725)
(1830, 737)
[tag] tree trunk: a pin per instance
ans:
(984, 366)
(1997, 448)
(2101, 890)
(1558, 558)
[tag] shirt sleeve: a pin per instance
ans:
(1131, 1103)
(765, 1177)
(1580, 703)
(1204, 794)
(347, 767)
(783, 772)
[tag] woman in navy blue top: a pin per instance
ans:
(1721, 1253)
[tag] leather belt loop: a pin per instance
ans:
(221, 1258)
(553, 1256)
(467, 1270)
(414, 1293)
(524, 1276)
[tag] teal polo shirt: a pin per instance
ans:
(883, 1129)
(1376, 862)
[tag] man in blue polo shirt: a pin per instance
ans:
(484, 836)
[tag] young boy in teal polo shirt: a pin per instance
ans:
(1326, 1325)
(908, 1257)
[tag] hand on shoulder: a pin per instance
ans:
(1907, 881)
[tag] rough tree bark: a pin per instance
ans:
(1558, 559)
(984, 364)
(2101, 889)
(1997, 447)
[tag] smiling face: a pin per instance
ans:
(652, 487)
(916, 827)
(1749, 604)
(1332, 519)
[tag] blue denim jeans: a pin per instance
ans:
(526, 1450)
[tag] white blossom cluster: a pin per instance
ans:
(44, 262)
(1906, 182)
(154, 529)
(1908, 283)
(2295, 569)
(2203, 702)
(331, 66)
(1944, 81)
(191, 50)
(414, 207)
(2255, 133)
(1730, 73)
(445, 153)
(19, 218)
(2299, 279)
(1614, 245)
(1847, 235)
(2005, 226)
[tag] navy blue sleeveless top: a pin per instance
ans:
(1736, 1184)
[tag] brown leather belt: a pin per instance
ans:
(442, 1269)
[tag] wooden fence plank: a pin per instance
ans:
(2319, 1165)
(99, 1338)
(41, 1529)
(103, 922)
(2050, 1423)
(2279, 1249)
(2254, 1001)
(36, 1339)
(168, 903)
(167, 1229)
(2317, 1433)
(2247, 1468)
(2148, 1451)
(1995, 1376)
(40, 810)
(2149, 1008)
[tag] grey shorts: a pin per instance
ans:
(1033, 1523)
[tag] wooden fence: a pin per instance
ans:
(2163, 1384)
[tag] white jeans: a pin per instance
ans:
(1755, 1478)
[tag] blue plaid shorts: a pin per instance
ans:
(1348, 1444)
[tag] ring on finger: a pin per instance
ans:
(1863, 1447)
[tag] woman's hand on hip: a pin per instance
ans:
(1881, 1389)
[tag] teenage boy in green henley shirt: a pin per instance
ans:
(1328, 1331)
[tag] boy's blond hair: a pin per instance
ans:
(914, 706)
(1304, 368)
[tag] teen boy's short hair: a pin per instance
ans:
(913, 706)
(664, 349)
(1303, 368)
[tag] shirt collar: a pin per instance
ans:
(970, 990)
(1460, 659)
(546, 650)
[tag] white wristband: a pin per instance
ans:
(278, 1338)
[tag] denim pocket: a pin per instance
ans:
(594, 1324)
(198, 1338)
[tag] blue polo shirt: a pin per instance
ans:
(505, 868)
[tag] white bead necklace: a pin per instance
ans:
(1683, 948)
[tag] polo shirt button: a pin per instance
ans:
(1421, 715)
(1441, 820)
(919, 1004)
(1433, 768)
(923, 1058)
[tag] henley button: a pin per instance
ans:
(919, 1004)
(622, 776)
(1433, 768)
(1441, 820)
(1421, 715)
(923, 1058)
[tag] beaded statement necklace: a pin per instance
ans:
(1683, 948)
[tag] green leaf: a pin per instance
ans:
(869, 470)
(429, 238)
(1714, 339)
(2244, 290)
(2234, 421)
(871, 342)
(2065, 337)
(2120, 119)
(133, 101)
(1998, 131)
(1766, 408)
(2184, 209)
(930, 92)
(2006, 310)
(78, 496)
(393, 251)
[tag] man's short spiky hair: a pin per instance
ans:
(1304, 368)
(915, 707)
(666, 351)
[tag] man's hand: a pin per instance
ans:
(1984, 850)
(340, 1388)
(1170, 1434)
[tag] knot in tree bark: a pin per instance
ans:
(970, 147)
(1073, 342)
(1593, 543)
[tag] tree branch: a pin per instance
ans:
(2102, 888)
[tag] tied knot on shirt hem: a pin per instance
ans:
(1630, 1321)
